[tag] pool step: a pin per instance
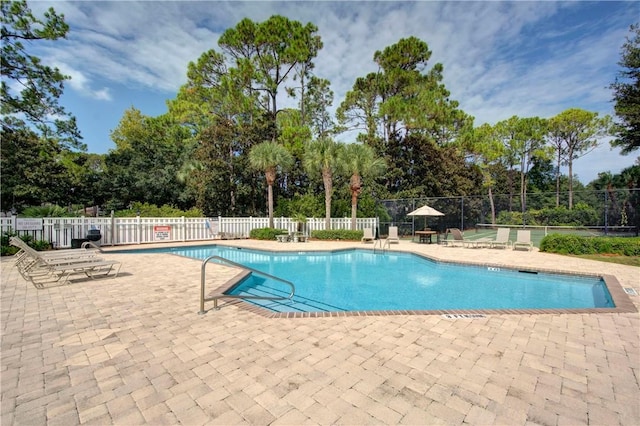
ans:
(256, 286)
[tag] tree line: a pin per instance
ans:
(228, 148)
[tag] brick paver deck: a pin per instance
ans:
(133, 350)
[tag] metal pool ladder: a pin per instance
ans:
(384, 245)
(236, 296)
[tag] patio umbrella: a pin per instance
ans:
(426, 211)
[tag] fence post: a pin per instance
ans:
(184, 229)
(138, 229)
(606, 212)
(113, 228)
(413, 218)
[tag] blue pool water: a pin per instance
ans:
(359, 280)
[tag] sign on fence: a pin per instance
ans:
(162, 233)
(28, 224)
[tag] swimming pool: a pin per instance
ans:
(361, 280)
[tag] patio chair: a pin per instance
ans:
(393, 235)
(27, 259)
(40, 267)
(523, 239)
(458, 238)
(502, 238)
(368, 235)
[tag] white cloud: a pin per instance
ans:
(500, 58)
(602, 159)
(80, 84)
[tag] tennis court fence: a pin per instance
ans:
(604, 212)
(484, 230)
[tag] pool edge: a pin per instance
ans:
(622, 301)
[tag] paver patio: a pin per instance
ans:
(133, 350)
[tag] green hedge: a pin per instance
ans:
(8, 250)
(574, 244)
(151, 210)
(580, 215)
(266, 233)
(337, 234)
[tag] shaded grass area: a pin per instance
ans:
(538, 235)
(611, 258)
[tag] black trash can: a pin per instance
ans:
(94, 236)
(77, 242)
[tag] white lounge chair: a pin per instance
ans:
(368, 235)
(393, 235)
(523, 239)
(42, 267)
(458, 238)
(28, 260)
(502, 238)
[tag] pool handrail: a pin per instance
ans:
(384, 245)
(236, 296)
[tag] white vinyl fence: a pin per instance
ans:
(65, 232)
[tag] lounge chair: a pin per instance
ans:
(502, 238)
(458, 238)
(368, 235)
(523, 239)
(28, 259)
(393, 235)
(41, 267)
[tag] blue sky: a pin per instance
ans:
(500, 58)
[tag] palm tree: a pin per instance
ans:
(359, 161)
(267, 157)
(322, 156)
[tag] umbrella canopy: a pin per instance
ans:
(426, 211)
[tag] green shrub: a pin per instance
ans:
(515, 218)
(151, 210)
(41, 245)
(8, 250)
(337, 234)
(5, 248)
(574, 244)
(47, 211)
(266, 233)
(580, 215)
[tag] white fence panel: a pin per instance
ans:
(9, 224)
(240, 227)
(126, 230)
(62, 231)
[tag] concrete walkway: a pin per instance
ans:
(133, 350)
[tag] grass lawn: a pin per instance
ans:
(612, 258)
(537, 235)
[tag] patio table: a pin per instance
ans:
(425, 236)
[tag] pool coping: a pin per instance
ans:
(622, 301)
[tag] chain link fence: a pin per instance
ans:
(607, 212)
